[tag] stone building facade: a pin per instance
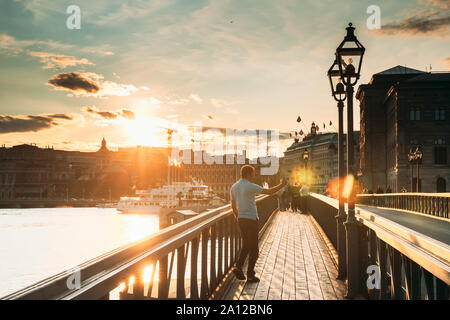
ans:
(28, 172)
(400, 109)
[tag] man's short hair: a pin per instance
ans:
(247, 171)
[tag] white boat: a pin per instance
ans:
(107, 205)
(178, 195)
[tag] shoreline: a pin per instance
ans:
(30, 204)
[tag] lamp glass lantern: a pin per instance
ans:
(306, 155)
(411, 155)
(336, 85)
(349, 55)
(418, 154)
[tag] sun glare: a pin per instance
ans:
(143, 131)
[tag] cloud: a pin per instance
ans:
(53, 60)
(219, 103)
(127, 114)
(138, 9)
(155, 101)
(11, 45)
(101, 51)
(109, 115)
(231, 111)
(33, 123)
(89, 84)
(196, 98)
(77, 83)
(425, 22)
(444, 4)
(178, 101)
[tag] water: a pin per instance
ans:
(38, 243)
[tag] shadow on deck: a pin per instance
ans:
(296, 262)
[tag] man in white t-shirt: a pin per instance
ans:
(244, 208)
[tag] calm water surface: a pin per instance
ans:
(38, 243)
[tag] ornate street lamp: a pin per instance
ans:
(306, 155)
(337, 87)
(418, 155)
(338, 93)
(353, 50)
(305, 159)
(411, 159)
(349, 56)
(415, 157)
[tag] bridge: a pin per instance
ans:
(403, 246)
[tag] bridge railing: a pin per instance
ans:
(435, 204)
(403, 264)
(183, 261)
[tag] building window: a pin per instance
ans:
(440, 152)
(414, 113)
(439, 114)
(441, 185)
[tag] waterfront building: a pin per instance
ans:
(28, 172)
(321, 167)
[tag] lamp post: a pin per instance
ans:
(411, 158)
(349, 71)
(338, 93)
(418, 155)
(415, 157)
(305, 159)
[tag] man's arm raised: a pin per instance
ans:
(275, 189)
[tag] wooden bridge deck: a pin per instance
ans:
(295, 263)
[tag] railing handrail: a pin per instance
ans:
(105, 270)
(441, 195)
(431, 254)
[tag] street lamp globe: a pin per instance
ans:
(337, 87)
(411, 155)
(349, 56)
(306, 155)
(418, 154)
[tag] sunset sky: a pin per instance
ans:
(135, 67)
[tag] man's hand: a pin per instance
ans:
(234, 208)
(276, 188)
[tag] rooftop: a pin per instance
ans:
(399, 70)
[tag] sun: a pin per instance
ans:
(143, 131)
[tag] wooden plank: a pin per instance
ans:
(289, 264)
(276, 285)
(327, 256)
(249, 289)
(262, 291)
(322, 273)
(233, 287)
(294, 263)
(315, 293)
(301, 284)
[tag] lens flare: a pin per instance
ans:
(348, 186)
